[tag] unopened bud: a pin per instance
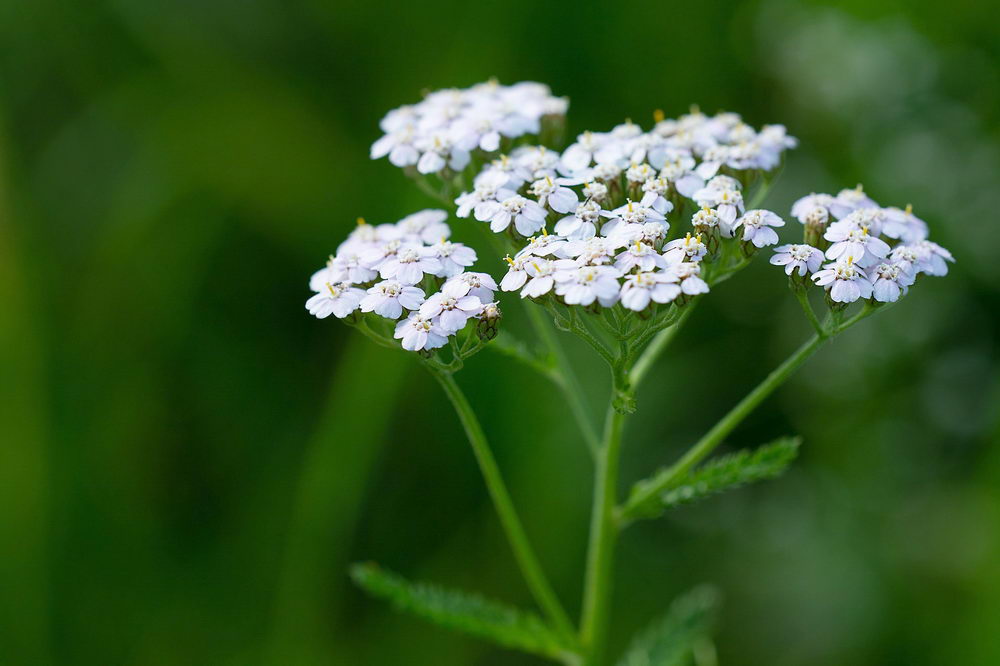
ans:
(489, 322)
(815, 226)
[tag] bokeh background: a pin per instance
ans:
(188, 462)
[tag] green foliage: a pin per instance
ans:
(719, 475)
(671, 639)
(465, 612)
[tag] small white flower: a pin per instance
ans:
(904, 225)
(932, 258)
(688, 273)
(577, 157)
(705, 219)
(805, 209)
(536, 161)
(388, 299)
(398, 145)
(723, 194)
(593, 251)
(595, 190)
(542, 273)
(419, 332)
(850, 239)
(329, 273)
(689, 248)
(655, 189)
(553, 191)
(606, 172)
(439, 152)
(848, 201)
(631, 213)
(678, 167)
(584, 285)
(544, 245)
(338, 299)
(757, 227)
(650, 233)
(528, 217)
(516, 274)
(641, 288)
(583, 223)
(486, 186)
(378, 253)
(453, 257)
(797, 257)
(890, 282)
(639, 173)
(451, 313)
(845, 280)
(480, 285)
(409, 264)
(425, 226)
(639, 255)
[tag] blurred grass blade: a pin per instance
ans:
(25, 615)
(719, 475)
(335, 469)
(465, 612)
(671, 639)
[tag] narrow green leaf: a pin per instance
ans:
(718, 475)
(671, 639)
(465, 612)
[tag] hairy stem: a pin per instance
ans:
(537, 582)
(603, 538)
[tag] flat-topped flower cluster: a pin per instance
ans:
(388, 270)
(848, 230)
(443, 130)
(589, 225)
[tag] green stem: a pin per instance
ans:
(523, 552)
(603, 538)
(810, 313)
(725, 426)
(567, 379)
(656, 347)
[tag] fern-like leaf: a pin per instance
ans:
(465, 612)
(721, 474)
(671, 639)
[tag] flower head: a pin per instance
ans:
(845, 280)
(802, 258)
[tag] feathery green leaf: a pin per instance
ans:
(671, 639)
(462, 611)
(718, 475)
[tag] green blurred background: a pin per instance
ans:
(189, 461)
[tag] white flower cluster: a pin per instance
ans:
(655, 168)
(862, 264)
(685, 151)
(448, 125)
(387, 269)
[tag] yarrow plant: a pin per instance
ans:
(614, 239)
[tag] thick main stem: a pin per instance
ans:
(603, 538)
(720, 430)
(523, 552)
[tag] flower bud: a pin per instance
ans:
(815, 226)
(489, 322)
